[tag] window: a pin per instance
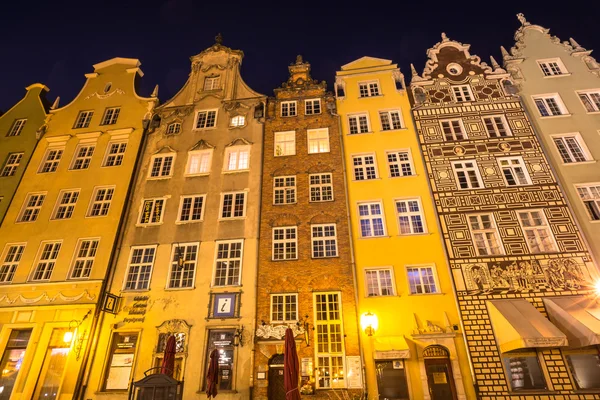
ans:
(368, 89)
(199, 162)
(206, 119)
(284, 307)
(379, 282)
(400, 164)
(523, 370)
(312, 106)
(390, 120)
(67, 199)
(453, 130)
(358, 123)
(590, 100)
(285, 143)
(537, 232)
(421, 280)
(139, 270)
(152, 211)
(12, 359)
(212, 82)
(173, 128)
(284, 190)
(183, 266)
(120, 363)
(237, 158)
(180, 331)
(329, 341)
(590, 195)
(161, 166)
(585, 368)
(364, 167)
(496, 126)
(288, 109)
(318, 140)
(514, 171)
(10, 261)
(237, 121)
(17, 127)
(552, 67)
(46, 261)
(51, 160)
(467, 174)
(31, 207)
(100, 203)
(410, 217)
(462, 93)
(285, 243)
(233, 205)
(485, 234)
(370, 216)
(391, 375)
(222, 340)
(324, 241)
(571, 148)
(110, 116)
(550, 105)
(83, 119)
(12, 163)
(191, 208)
(228, 263)
(83, 156)
(321, 187)
(85, 253)
(114, 154)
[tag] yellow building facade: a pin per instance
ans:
(412, 341)
(59, 233)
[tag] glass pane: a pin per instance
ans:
(52, 372)
(12, 360)
(524, 372)
(585, 369)
(391, 380)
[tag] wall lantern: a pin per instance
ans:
(70, 336)
(597, 287)
(369, 323)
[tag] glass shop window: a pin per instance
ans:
(120, 361)
(585, 368)
(12, 359)
(222, 340)
(524, 371)
(391, 380)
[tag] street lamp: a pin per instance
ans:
(369, 323)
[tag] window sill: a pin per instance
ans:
(189, 222)
(96, 216)
(359, 133)
(579, 163)
(394, 130)
(148, 225)
(375, 237)
(204, 129)
(235, 171)
(158, 178)
(232, 219)
(324, 258)
(413, 234)
(366, 180)
(312, 115)
(427, 294)
(112, 392)
(370, 97)
(134, 290)
(320, 152)
(403, 176)
(193, 175)
(284, 204)
(285, 259)
(321, 201)
(233, 391)
(592, 113)
(382, 295)
(284, 155)
(289, 116)
(168, 289)
(556, 76)
(554, 116)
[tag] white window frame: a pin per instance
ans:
(551, 73)
(410, 214)
(13, 160)
(161, 166)
(193, 197)
(452, 127)
(580, 142)
(237, 121)
(484, 232)
(205, 126)
(370, 88)
(370, 217)
(71, 205)
(311, 110)
(356, 117)
(398, 163)
(17, 127)
(327, 334)
(557, 100)
(363, 167)
(285, 189)
(212, 83)
(201, 154)
(84, 117)
(152, 210)
(286, 307)
(234, 196)
(475, 168)
(85, 259)
(545, 225)
(111, 115)
(39, 261)
(85, 159)
(103, 202)
(379, 288)
(314, 228)
(186, 264)
(390, 120)
(420, 267)
(55, 162)
(279, 138)
(494, 122)
(592, 103)
(320, 186)
(587, 194)
(36, 209)
(461, 95)
(321, 144)
(228, 261)
(291, 108)
(173, 128)
(130, 264)
(237, 150)
(286, 254)
(9, 266)
(116, 157)
(511, 167)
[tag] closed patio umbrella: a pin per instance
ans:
(168, 362)
(212, 376)
(290, 367)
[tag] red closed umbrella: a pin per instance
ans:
(290, 367)
(168, 362)
(212, 376)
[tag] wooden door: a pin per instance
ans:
(276, 385)
(440, 379)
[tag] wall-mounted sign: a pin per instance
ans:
(110, 303)
(224, 305)
(354, 372)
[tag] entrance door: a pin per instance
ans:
(276, 385)
(440, 379)
(50, 378)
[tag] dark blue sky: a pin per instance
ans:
(56, 43)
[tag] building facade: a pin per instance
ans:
(59, 233)
(18, 138)
(521, 271)
(559, 83)
(187, 265)
(402, 275)
(305, 276)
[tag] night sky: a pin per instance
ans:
(56, 43)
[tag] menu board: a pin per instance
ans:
(354, 372)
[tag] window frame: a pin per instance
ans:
(110, 354)
(160, 175)
(371, 218)
(313, 102)
(112, 120)
(420, 213)
(176, 128)
(284, 320)
(319, 141)
(399, 162)
(7, 275)
(284, 241)
(504, 122)
(197, 118)
(238, 149)
(559, 63)
(17, 127)
(76, 257)
(285, 188)
(388, 113)
(324, 239)
(232, 217)
(530, 352)
(10, 167)
(60, 151)
(180, 208)
(173, 263)
(461, 88)
(38, 261)
(579, 187)
(59, 204)
(363, 167)
(564, 112)
(320, 185)
(511, 167)
(377, 270)
(420, 267)
(138, 274)
(24, 207)
(93, 201)
(88, 158)
(141, 210)
(328, 333)
(276, 143)
(200, 153)
(580, 142)
(289, 113)
(357, 117)
(477, 173)
(119, 156)
(494, 230)
(228, 260)
(595, 105)
(455, 138)
(536, 227)
(211, 80)
(369, 90)
(234, 121)
(87, 119)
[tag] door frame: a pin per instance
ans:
(441, 361)
(271, 367)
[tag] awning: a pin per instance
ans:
(390, 347)
(577, 316)
(517, 325)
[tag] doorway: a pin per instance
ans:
(53, 367)
(439, 373)
(276, 384)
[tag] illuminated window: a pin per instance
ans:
(212, 82)
(285, 143)
(152, 211)
(537, 231)
(330, 341)
(237, 158)
(228, 263)
(121, 356)
(199, 162)
(12, 359)
(523, 370)
(238, 120)
(318, 140)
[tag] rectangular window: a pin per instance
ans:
(329, 341)
(496, 126)
(411, 220)
(152, 211)
(358, 123)
(83, 156)
(51, 160)
(222, 340)
(17, 127)
(285, 243)
(161, 166)
(114, 154)
(233, 205)
(312, 106)
(100, 203)
(324, 241)
(46, 260)
(10, 261)
(514, 171)
(390, 120)
(120, 361)
(83, 119)
(284, 307)
(173, 128)
(289, 108)
(285, 143)
(368, 89)
(183, 265)
(206, 119)
(228, 263)
(12, 359)
(370, 216)
(453, 130)
(467, 174)
(421, 280)
(571, 148)
(379, 282)
(212, 82)
(31, 207)
(111, 115)
(590, 100)
(85, 253)
(12, 163)
(590, 195)
(321, 187)
(139, 269)
(552, 67)
(550, 105)
(67, 199)
(585, 368)
(400, 164)
(523, 371)
(318, 140)
(237, 158)
(199, 162)
(462, 93)
(237, 121)
(537, 232)
(284, 190)
(485, 234)
(191, 208)
(364, 167)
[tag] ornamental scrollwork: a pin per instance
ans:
(278, 331)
